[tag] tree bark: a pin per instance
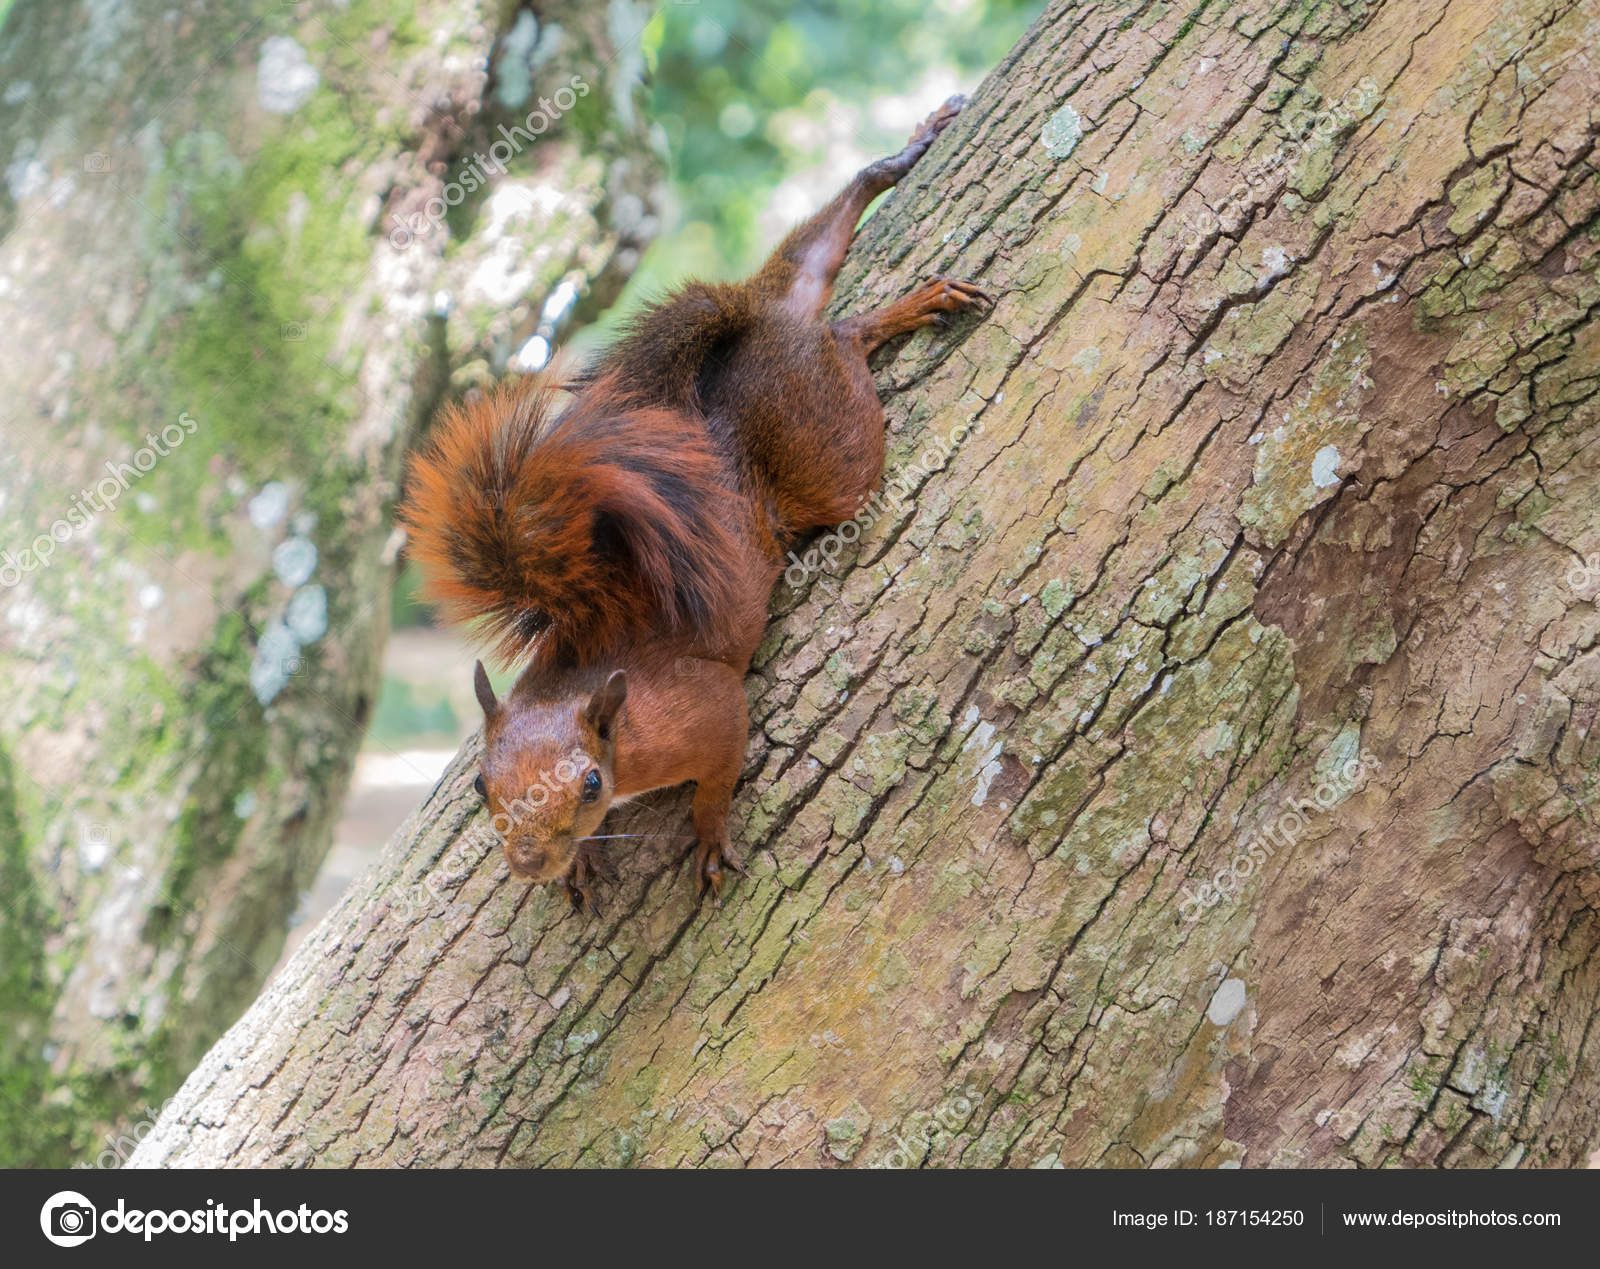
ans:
(228, 311)
(1252, 557)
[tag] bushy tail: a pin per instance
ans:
(565, 536)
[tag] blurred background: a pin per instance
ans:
(764, 110)
(248, 248)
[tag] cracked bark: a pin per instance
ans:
(1259, 482)
(197, 219)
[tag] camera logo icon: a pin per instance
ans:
(67, 1219)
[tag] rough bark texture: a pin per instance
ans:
(1261, 482)
(198, 237)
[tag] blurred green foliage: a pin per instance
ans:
(409, 715)
(408, 607)
(748, 92)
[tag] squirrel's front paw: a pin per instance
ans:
(713, 860)
(582, 895)
(591, 862)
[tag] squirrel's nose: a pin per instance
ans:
(536, 861)
(528, 861)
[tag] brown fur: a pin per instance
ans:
(570, 534)
(628, 545)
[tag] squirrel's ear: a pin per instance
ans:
(605, 703)
(480, 685)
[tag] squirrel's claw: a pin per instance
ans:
(710, 858)
(591, 862)
(959, 293)
(929, 129)
(939, 120)
(581, 893)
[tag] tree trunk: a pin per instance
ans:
(1194, 769)
(227, 312)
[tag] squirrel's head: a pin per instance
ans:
(547, 771)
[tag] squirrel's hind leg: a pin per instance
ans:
(805, 264)
(925, 306)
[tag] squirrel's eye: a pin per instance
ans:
(591, 785)
(481, 788)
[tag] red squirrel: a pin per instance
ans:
(627, 543)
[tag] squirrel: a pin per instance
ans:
(627, 543)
